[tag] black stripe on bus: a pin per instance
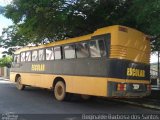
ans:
(94, 67)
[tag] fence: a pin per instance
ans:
(4, 72)
(155, 82)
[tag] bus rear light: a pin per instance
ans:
(123, 29)
(149, 87)
(121, 87)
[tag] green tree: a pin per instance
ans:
(6, 61)
(147, 16)
(50, 20)
(11, 36)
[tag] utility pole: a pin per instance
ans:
(158, 80)
(158, 64)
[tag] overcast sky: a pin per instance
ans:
(4, 2)
(4, 22)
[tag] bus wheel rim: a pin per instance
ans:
(19, 85)
(60, 91)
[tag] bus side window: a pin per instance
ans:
(15, 59)
(69, 51)
(28, 56)
(18, 58)
(94, 48)
(23, 57)
(102, 47)
(41, 55)
(34, 55)
(82, 50)
(49, 54)
(57, 52)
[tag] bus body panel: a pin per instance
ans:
(130, 45)
(96, 86)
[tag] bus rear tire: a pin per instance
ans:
(19, 85)
(60, 91)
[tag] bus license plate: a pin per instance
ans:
(135, 86)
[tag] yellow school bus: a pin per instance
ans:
(111, 62)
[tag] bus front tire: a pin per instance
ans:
(19, 85)
(60, 91)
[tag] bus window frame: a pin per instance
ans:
(90, 49)
(75, 57)
(24, 57)
(44, 52)
(53, 53)
(61, 51)
(87, 41)
(37, 55)
(104, 47)
(16, 57)
(97, 40)
(31, 55)
(106, 40)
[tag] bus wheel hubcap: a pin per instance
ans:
(59, 90)
(19, 85)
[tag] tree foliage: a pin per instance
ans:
(41, 21)
(148, 19)
(6, 61)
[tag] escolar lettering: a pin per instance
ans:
(38, 67)
(135, 72)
